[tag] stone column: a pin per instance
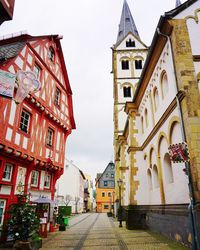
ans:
(190, 105)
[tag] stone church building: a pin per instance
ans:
(157, 105)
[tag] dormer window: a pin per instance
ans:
(130, 43)
(127, 19)
(138, 64)
(127, 91)
(125, 64)
(51, 54)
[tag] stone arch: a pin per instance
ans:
(160, 137)
(152, 148)
(124, 58)
(172, 122)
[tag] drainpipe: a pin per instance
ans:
(191, 207)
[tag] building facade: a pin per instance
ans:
(70, 187)
(105, 189)
(33, 133)
(164, 111)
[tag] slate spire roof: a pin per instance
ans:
(178, 2)
(127, 23)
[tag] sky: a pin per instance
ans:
(89, 29)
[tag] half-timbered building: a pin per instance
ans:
(33, 133)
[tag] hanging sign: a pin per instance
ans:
(179, 152)
(7, 83)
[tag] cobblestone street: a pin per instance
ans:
(99, 232)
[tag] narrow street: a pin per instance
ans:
(97, 231)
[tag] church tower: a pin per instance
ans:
(128, 54)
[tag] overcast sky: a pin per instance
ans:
(89, 29)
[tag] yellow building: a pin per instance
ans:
(105, 190)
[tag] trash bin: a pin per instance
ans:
(65, 220)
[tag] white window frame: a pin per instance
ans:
(22, 122)
(37, 178)
(10, 172)
(49, 180)
(50, 136)
(4, 206)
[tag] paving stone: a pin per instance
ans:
(99, 232)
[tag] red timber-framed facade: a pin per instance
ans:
(33, 133)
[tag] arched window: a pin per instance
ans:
(127, 91)
(164, 84)
(155, 177)
(156, 98)
(125, 64)
(149, 178)
(168, 169)
(142, 123)
(146, 118)
(138, 64)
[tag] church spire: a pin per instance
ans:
(178, 2)
(127, 23)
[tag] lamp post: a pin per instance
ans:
(119, 182)
(113, 202)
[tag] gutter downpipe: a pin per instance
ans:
(191, 207)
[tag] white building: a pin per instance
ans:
(160, 109)
(70, 188)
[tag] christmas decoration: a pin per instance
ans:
(23, 223)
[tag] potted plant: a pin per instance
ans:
(23, 223)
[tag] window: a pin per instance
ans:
(164, 84)
(112, 175)
(106, 206)
(50, 135)
(138, 64)
(57, 97)
(155, 177)
(51, 54)
(125, 64)
(169, 178)
(47, 181)
(105, 183)
(142, 123)
(37, 71)
(109, 194)
(146, 118)
(34, 178)
(25, 121)
(127, 19)
(130, 43)
(127, 91)
(156, 99)
(103, 194)
(149, 177)
(2, 208)
(7, 174)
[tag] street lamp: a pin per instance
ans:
(113, 202)
(119, 182)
